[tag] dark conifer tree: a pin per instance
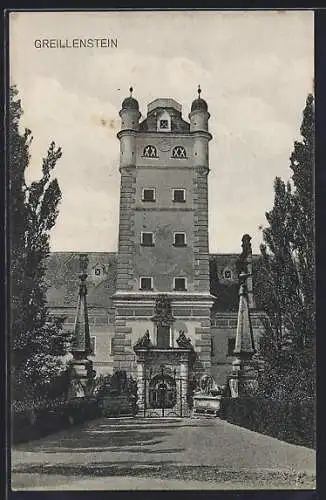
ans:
(285, 284)
(37, 341)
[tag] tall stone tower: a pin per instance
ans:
(163, 229)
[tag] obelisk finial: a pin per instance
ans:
(81, 341)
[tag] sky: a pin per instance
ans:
(255, 69)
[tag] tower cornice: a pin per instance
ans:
(199, 111)
(127, 131)
(201, 133)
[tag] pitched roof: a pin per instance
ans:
(62, 279)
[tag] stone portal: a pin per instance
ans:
(163, 381)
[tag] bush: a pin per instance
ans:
(35, 419)
(291, 421)
(114, 395)
(116, 406)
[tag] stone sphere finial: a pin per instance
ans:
(130, 102)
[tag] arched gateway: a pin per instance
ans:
(163, 376)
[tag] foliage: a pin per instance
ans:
(285, 282)
(42, 417)
(117, 394)
(289, 420)
(36, 339)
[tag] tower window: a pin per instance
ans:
(179, 152)
(150, 151)
(179, 195)
(146, 283)
(231, 346)
(179, 284)
(147, 239)
(164, 123)
(148, 194)
(179, 239)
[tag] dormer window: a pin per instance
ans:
(97, 272)
(150, 151)
(179, 152)
(164, 123)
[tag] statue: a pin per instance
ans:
(144, 341)
(208, 386)
(184, 342)
(246, 252)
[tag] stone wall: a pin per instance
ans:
(126, 229)
(132, 323)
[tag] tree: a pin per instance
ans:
(37, 341)
(285, 284)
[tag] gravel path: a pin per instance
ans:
(159, 452)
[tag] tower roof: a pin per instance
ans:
(164, 102)
(130, 102)
(199, 104)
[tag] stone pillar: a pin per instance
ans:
(183, 385)
(141, 373)
(243, 380)
(82, 372)
(125, 270)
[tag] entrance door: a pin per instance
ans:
(163, 336)
(162, 392)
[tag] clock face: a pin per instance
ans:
(164, 145)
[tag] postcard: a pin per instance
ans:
(161, 225)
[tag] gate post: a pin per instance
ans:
(183, 383)
(141, 384)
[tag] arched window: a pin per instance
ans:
(150, 151)
(227, 274)
(179, 152)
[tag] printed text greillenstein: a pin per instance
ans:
(76, 43)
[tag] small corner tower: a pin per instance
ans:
(130, 116)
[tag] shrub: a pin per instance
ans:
(288, 420)
(34, 419)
